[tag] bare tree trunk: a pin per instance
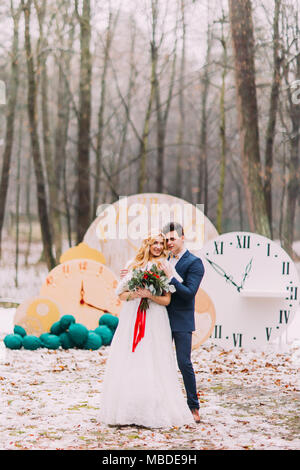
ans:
(84, 124)
(292, 72)
(243, 45)
(162, 119)
(222, 132)
(11, 107)
(203, 164)
(28, 212)
(32, 114)
(181, 130)
(142, 178)
(270, 136)
(52, 176)
(99, 146)
(18, 185)
(129, 94)
(61, 137)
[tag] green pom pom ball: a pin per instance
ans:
(56, 328)
(50, 341)
(19, 330)
(43, 338)
(109, 320)
(78, 333)
(13, 341)
(93, 341)
(66, 321)
(66, 340)
(32, 342)
(105, 334)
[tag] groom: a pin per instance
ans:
(182, 306)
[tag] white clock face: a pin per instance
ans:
(254, 286)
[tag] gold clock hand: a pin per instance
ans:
(94, 306)
(82, 294)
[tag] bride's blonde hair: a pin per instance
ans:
(143, 255)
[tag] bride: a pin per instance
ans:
(142, 387)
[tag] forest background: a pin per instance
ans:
(197, 99)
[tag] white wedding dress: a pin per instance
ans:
(142, 387)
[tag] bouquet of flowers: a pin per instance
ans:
(157, 282)
(154, 279)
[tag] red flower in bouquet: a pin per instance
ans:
(157, 283)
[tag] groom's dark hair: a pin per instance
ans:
(173, 226)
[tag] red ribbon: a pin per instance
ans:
(139, 327)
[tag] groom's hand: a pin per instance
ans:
(167, 268)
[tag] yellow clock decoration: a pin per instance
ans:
(37, 315)
(205, 318)
(83, 288)
(82, 250)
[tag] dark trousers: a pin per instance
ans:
(183, 346)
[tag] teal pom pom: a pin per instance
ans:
(66, 340)
(43, 338)
(19, 330)
(13, 341)
(105, 333)
(56, 328)
(109, 320)
(32, 342)
(78, 333)
(50, 341)
(93, 341)
(66, 321)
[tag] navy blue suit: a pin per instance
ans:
(182, 320)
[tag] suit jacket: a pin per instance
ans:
(182, 306)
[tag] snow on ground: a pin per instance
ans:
(51, 399)
(248, 400)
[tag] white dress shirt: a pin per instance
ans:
(173, 261)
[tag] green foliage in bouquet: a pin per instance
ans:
(153, 279)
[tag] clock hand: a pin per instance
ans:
(221, 271)
(82, 294)
(94, 306)
(247, 271)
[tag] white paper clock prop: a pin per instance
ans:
(254, 285)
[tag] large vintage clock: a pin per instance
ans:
(83, 288)
(119, 228)
(254, 286)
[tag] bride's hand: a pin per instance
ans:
(143, 293)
